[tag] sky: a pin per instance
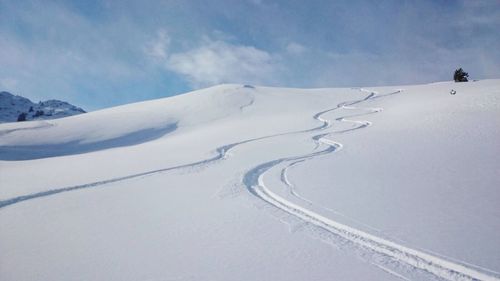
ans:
(97, 54)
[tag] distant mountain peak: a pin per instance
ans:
(17, 108)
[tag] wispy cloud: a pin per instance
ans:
(221, 62)
(216, 61)
(158, 48)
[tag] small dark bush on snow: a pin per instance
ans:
(460, 75)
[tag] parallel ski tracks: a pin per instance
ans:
(254, 183)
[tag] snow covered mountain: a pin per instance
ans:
(17, 108)
(237, 182)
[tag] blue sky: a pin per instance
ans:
(97, 54)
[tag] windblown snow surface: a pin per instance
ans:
(239, 182)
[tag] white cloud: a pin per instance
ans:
(158, 48)
(221, 62)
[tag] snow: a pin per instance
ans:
(246, 182)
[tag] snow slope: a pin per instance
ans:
(382, 183)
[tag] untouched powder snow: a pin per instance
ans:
(256, 183)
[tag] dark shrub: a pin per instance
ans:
(460, 75)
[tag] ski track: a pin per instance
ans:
(42, 125)
(221, 154)
(321, 138)
(253, 181)
(393, 273)
(292, 190)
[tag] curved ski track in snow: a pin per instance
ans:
(221, 154)
(253, 180)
